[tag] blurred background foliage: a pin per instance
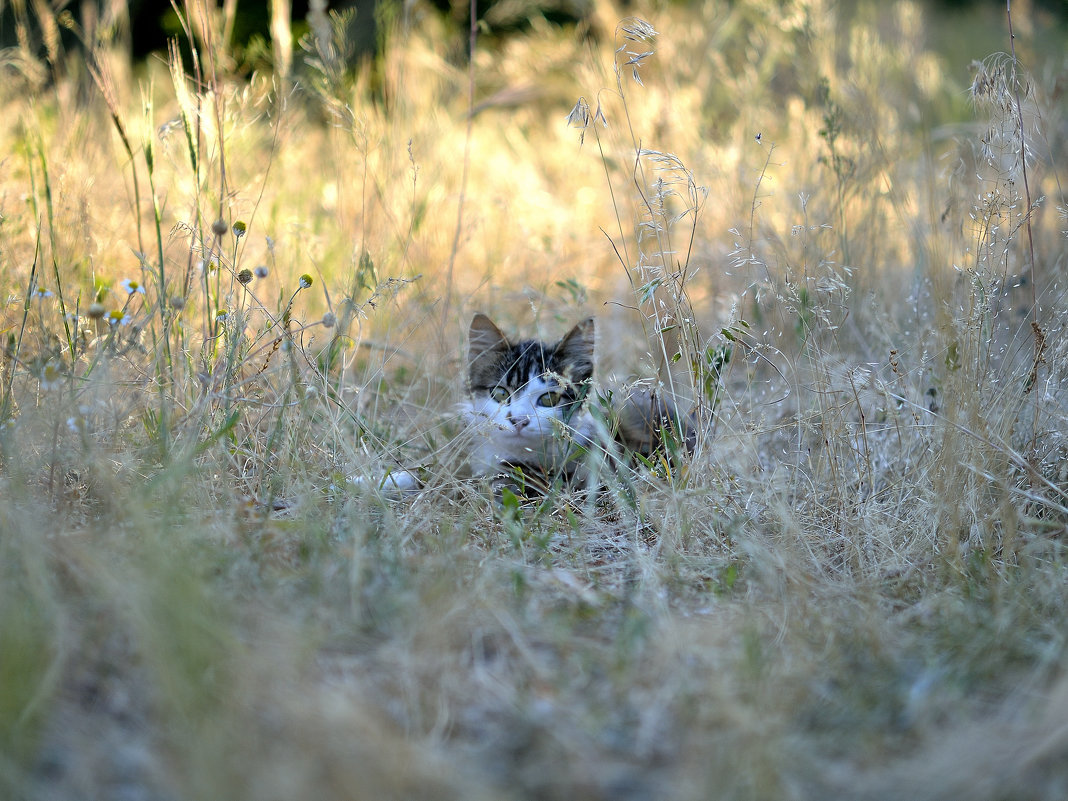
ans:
(142, 27)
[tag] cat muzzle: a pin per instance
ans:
(519, 423)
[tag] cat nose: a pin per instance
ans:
(519, 422)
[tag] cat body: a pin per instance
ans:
(529, 414)
(527, 418)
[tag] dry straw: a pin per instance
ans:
(231, 289)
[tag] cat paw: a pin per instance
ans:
(394, 484)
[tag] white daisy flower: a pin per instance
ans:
(131, 286)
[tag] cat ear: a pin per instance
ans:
(576, 351)
(484, 336)
(485, 342)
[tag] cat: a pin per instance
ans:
(529, 419)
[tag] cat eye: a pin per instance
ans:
(499, 394)
(549, 399)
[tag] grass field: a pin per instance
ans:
(835, 230)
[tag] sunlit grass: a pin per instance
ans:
(229, 296)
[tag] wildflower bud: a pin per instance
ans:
(219, 227)
(240, 228)
(306, 281)
(261, 271)
(329, 320)
(177, 303)
(96, 310)
(245, 276)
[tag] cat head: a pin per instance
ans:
(522, 389)
(495, 363)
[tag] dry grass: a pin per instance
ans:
(854, 588)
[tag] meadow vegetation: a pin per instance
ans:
(232, 290)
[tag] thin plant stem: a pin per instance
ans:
(1023, 164)
(1036, 330)
(472, 40)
